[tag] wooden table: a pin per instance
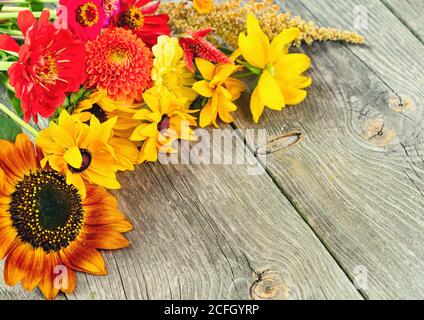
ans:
(338, 215)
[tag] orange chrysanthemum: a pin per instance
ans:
(47, 229)
(119, 62)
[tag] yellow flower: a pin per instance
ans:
(82, 152)
(169, 73)
(281, 80)
(203, 6)
(44, 223)
(103, 107)
(220, 90)
(164, 120)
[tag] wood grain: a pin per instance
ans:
(410, 12)
(357, 176)
(211, 232)
(214, 232)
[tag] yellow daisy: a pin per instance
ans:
(80, 151)
(169, 73)
(220, 90)
(103, 107)
(280, 73)
(164, 120)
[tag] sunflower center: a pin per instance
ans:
(46, 211)
(47, 70)
(132, 19)
(98, 112)
(87, 14)
(164, 123)
(86, 161)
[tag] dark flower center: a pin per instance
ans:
(86, 161)
(132, 19)
(164, 123)
(46, 211)
(87, 15)
(98, 112)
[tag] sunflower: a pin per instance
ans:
(219, 89)
(47, 229)
(170, 73)
(100, 105)
(80, 151)
(280, 80)
(163, 121)
(120, 63)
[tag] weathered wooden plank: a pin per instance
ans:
(357, 176)
(410, 12)
(214, 232)
(211, 232)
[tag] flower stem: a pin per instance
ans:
(14, 15)
(27, 2)
(5, 65)
(18, 120)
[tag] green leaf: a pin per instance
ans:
(16, 103)
(8, 129)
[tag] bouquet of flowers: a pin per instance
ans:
(99, 86)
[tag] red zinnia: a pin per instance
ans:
(119, 62)
(85, 17)
(51, 63)
(195, 45)
(138, 16)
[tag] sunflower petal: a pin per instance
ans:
(83, 258)
(73, 157)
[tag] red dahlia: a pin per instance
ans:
(119, 62)
(51, 63)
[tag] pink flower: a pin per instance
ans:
(85, 17)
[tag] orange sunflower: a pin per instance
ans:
(47, 230)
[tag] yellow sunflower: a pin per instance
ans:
(164, 120)
(220, 90)
(103, 107)
(80, 151)
(47, 229)
(169, 73)
(280, 73)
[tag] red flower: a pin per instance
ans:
(194, 45)
(51, 63)
(138, 16)
(85, 17)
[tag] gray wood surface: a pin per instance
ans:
(357, 175)
(342, 197)
(212, 232)
(410, 12)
